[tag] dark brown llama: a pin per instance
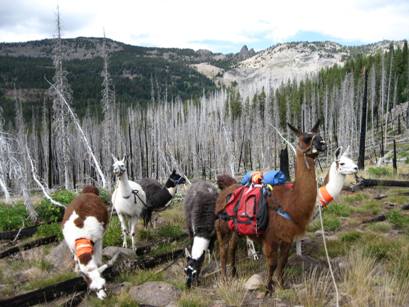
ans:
(289, 211)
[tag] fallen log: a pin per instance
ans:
(24, 232)
(367, 183)
(77, 285)
(29, 245)
(378, 218)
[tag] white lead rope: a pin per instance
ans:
(328, 260)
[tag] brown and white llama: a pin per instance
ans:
(83, 226)
(334, 181)
(289, 210)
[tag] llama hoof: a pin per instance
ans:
(125, 245)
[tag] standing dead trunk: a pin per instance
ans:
(361, 157)
(284, 164)
(394, 161)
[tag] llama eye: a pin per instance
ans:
(342, 164)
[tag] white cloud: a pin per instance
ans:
(194, 24)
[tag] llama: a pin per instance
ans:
(83, 226)
(200, 203)
(334, 181)
(157, 196)
(128, 200)
(289, 210)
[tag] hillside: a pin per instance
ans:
(133, 70)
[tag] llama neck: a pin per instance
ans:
(301, 204)
(124, 187)
(172, 191)
(335, 182)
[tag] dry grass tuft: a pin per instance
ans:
(367, 284)
(232, 291)
(316, 289)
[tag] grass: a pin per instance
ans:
(232, 291)
(370, 206)
(366, 284)
(398, 219)
(141, 276)
(350, 236)
(383, 227)
(339, 209)
(193, 298)
(40, 283)
(316, 289)
(382, 171)
(123, 299)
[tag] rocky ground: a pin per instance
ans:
(371, 263)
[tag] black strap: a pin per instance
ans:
(135, 195)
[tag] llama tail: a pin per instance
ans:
(224, 181)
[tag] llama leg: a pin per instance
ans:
(270, 252)
(124, 230)
(223, 243)
(232, 253)
(134, 221)
(282, 261)
(98, 252)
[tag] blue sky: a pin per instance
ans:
(217, 25)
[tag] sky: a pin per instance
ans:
(218, 25)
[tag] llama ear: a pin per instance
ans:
(187, 253)
(347, 151)
(338, 153)
(123, 159)
(295, 130)
(316, 128)
(114, 158)
(174, 172)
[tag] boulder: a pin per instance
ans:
(155, 293)
(110, 251)
(254, 282)
(61, 257)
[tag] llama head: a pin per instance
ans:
(95, 283)
(118, 167)
(192, 269)
(311, 143)
(175, 179)
(345, 165)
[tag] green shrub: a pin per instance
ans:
(13, 217)
(370, 206)
(113, 234)
(48, 212)
(105, 195)
(48, 230)
(64, 196)
(379, 171)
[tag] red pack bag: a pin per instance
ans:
(247, 211)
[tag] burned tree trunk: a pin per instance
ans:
(394, 162)
(284, 165)
(361, 157)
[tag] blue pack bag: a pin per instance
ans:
(274, 177)
(246, 178)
